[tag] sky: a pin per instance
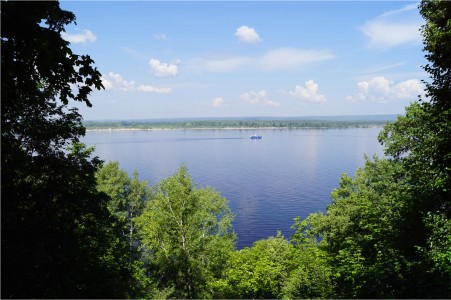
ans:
(197, 59)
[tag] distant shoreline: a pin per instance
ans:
(231, 124)
(228, 128)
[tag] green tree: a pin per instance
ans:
(277, 268)
(127, 198)
(312, 276)
(257, 272)
(56, 229)
(361, 232)
(421, 141)
(387, 231)
(186, 232)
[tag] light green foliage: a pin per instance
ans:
(187, 233)
(360, 231)
(114, 182)
(259, 271)
(127, 198)
(276, 268)
(312, 276)
(127, 195)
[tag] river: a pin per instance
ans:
(267, 182)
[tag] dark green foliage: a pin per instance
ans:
(387, 231)
(56, 229)
(422, 142)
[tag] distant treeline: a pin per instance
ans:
(220, 124)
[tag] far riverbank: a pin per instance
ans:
(241, 124)
(224, 128)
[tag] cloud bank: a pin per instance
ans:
(115, 82)
(258, 98)
(151, 89)
(381, 90)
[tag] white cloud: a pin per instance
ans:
(160, 69)
(394, 28)
(384, 67)
(115, 82)
(274, 60)
(291, 58)
(308, 92)
(220, 64)
(84, 37)
(247, 34)
(160, 36)
(108, 85)
(151, 89)
(381, 90)
(258, 98)
(408, 89)
(217, 102)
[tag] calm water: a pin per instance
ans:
(267, 182)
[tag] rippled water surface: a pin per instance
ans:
(267, 182)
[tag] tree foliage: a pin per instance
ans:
(276, 268)
(422, 142)
(56, 229)
(361, 233)
(387, 231)
(187, 233)
(257, 272)
(127, 198)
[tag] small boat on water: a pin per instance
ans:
(256, 137)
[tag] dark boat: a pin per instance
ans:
(256, 137)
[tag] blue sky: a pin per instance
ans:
(239, 59)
